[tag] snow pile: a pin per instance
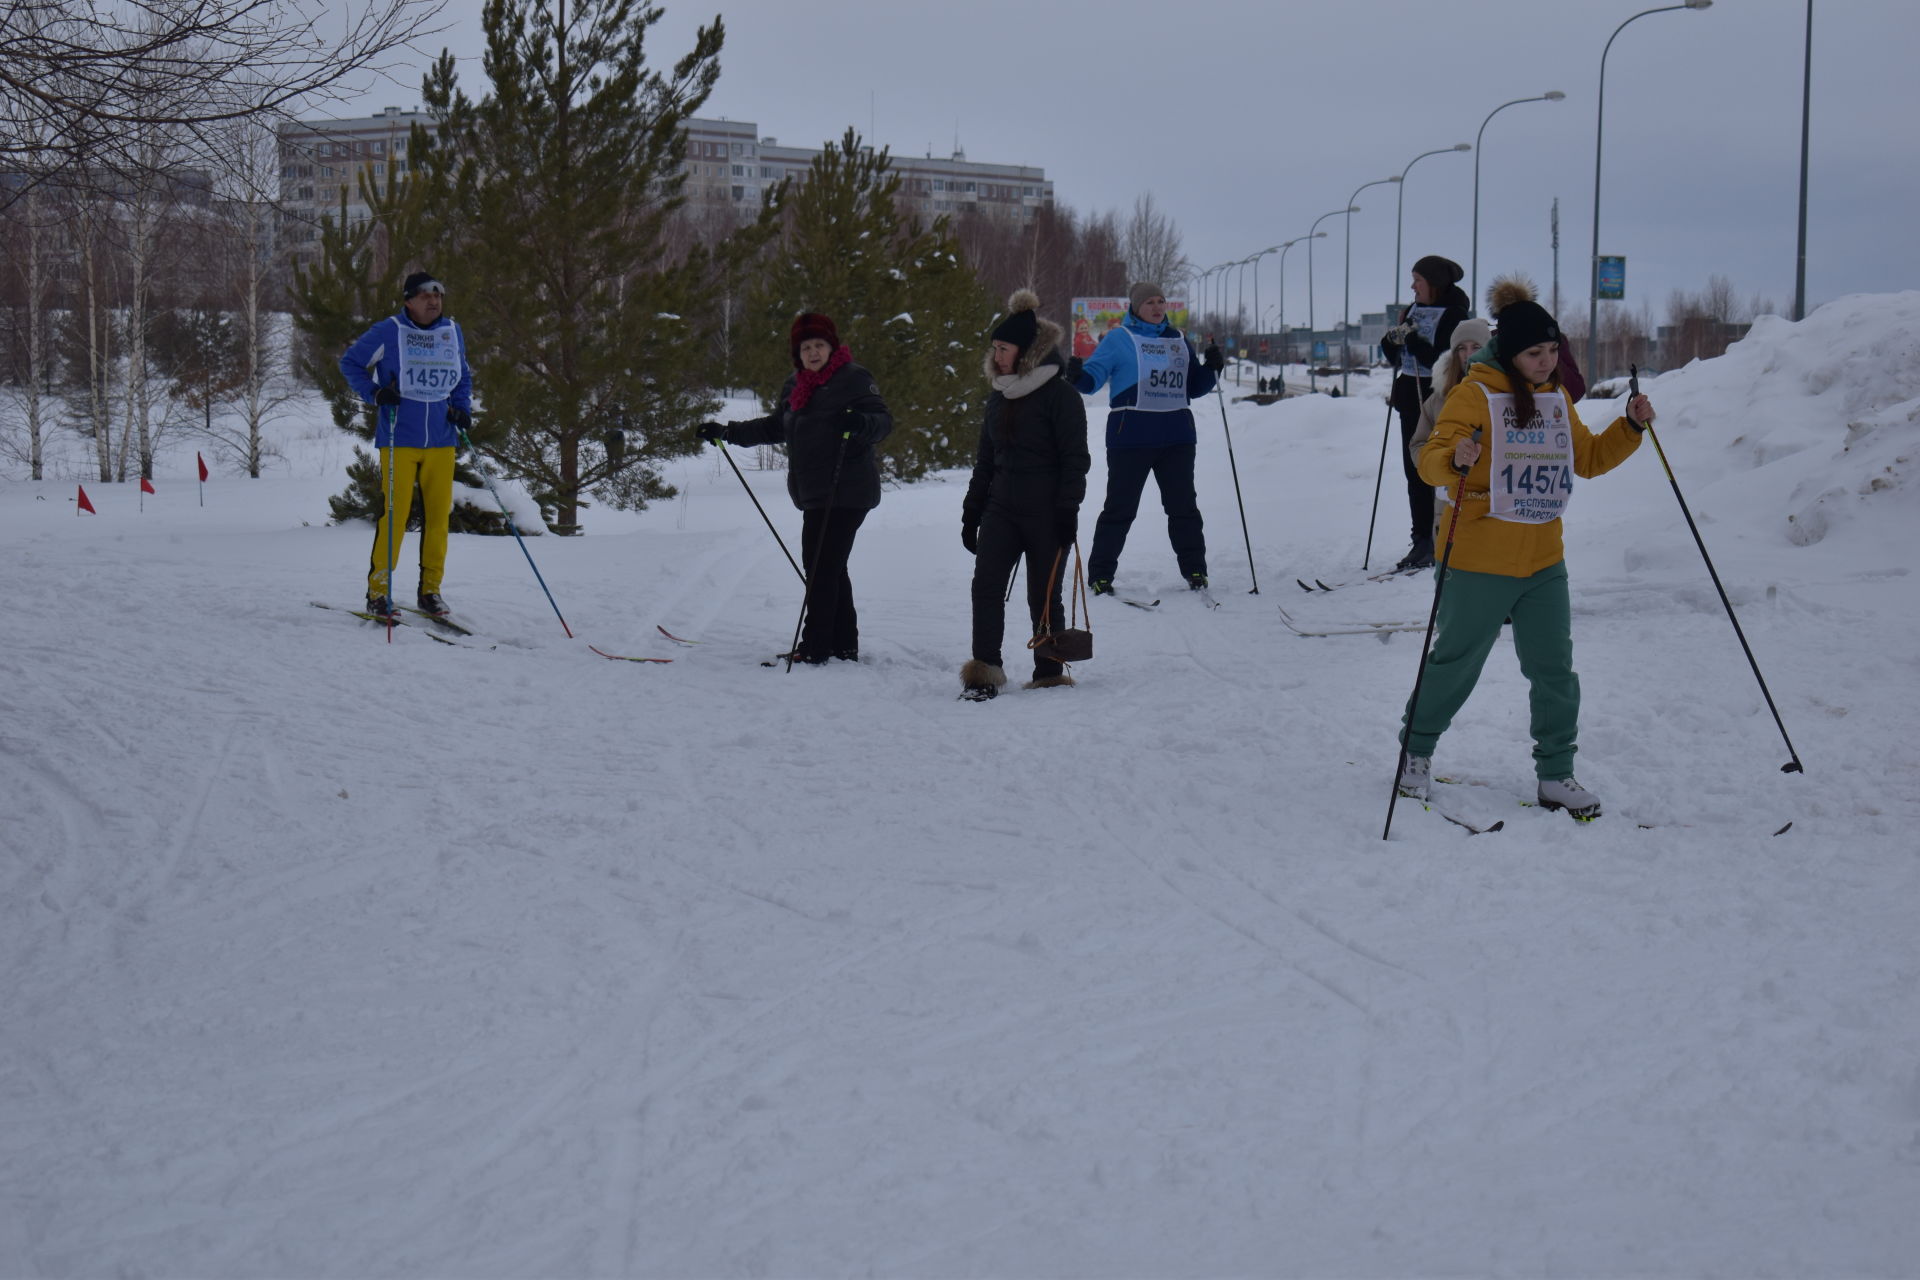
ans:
(1843, 384)
(330, 956)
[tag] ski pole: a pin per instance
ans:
(393, 430)
(1235, 467)
(1386, 433)
(1793, 765)
(813, 570)
(487, 476)
(1011, 579)
(1426, 645)
(762, 510)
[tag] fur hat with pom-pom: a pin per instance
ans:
(1522, 321)
(1022, 324)
(1023, 327)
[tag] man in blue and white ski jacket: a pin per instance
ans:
(1152, 374)
(412, 367)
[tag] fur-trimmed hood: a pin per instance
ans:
(1046, 340)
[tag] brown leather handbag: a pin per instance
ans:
(1074, 643)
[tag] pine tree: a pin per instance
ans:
(904, 302)
(559, 184)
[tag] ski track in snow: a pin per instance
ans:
(330, 956)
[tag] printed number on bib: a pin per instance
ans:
(1160, 384)
(1532, 464)
(429, 362)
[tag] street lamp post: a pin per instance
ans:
(1314, 233)
(1257, 324)
(1593, 369)
(1286, 339)
(1551, 95)
(1346, 298)
(1401, 212)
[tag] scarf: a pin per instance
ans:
(808, 381)
(1015, 385)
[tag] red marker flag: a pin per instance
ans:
(146, 485)
(84, 504)
(203, 467)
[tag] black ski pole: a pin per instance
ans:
(813, 570)
(1426, 645)
(1011, 579)
(487, 476)
(762, 510)
(1236, 489)
(1386, 434)
(1793, 765)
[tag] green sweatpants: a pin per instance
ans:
(1472, 608)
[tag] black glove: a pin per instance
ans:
(970, 536)
(388, 395)
(1066, 527)
(459, 419)
(1074, 365)
(858, 427)
(712, 432)
(1213, 358)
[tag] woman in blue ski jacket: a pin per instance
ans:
(1152, 374)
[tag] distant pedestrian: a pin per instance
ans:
(829, 414)
(1410, 347)
(412, 367)
(1152, 374)
(1029, 478)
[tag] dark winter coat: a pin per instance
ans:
(1033, 457)
(849, 400)
(1457, 308)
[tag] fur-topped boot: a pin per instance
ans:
(980, 681)
(1061, 681)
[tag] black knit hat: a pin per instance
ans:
(1438, 271)
(1523, 324)
(1022, 324)
(419, 281)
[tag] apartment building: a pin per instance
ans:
(729, 166)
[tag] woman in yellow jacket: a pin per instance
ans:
(1511, 430)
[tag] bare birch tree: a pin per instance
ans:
(1152, 245)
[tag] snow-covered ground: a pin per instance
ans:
(330, 957)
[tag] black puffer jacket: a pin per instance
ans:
(814, 439)
(1033, 456)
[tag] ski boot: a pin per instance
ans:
(382, 608)
(431, 604)
(1416, 778)
(1566, 793)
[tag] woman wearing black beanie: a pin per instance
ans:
(1510, 429)
(1424, 334)
(1024, 498)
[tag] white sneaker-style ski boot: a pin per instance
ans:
(1567, 793)
(1416, 779)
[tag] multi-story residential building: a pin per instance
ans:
(728, 166)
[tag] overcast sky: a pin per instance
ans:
(1247, 119)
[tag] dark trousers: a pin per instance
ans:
(1127, 469)
(1408, 394)
(826, 540)
(1004, 539)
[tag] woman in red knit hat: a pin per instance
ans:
(830, 415)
